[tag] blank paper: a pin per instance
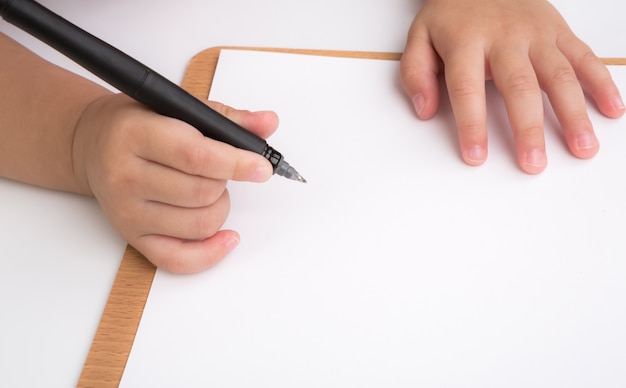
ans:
(397, 265)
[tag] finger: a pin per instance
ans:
(516, 81)
(465, 81)
(180, 146)
(595, 76)
(558, 79)
(183, 256)
(262, 123)
(163, 184)
(180, 222)
(419, 68)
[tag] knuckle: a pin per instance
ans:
(125, 127)
(195, 160)
(408, 78)
(117, 177)
(125, 217)
(588, 59)
(175, 264)
(223, 109)
(241, 169)
(472, 129)
(210, 219)
(562, 75)
(465, 88)
(578, 118)
(522, 83)
(208, 190)
(207, 223)
(530, 134)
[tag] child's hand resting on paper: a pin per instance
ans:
(161, 184)
(524, 46)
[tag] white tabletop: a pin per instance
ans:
(58, 254)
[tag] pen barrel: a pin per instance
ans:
(85, 49)
(130, 76)
(167, 99)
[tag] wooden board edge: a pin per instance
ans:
(614, 61)
(114, 337)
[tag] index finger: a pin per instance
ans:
(180, 146)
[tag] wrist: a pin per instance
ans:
(87, 126)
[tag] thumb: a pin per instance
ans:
(186, 256)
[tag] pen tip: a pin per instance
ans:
(295, 175)
(284, 169)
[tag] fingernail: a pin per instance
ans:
(262, 173)
(231, 243)
(586, 141)
(262, 113)
(252, 118)
(419, 103)
(618, 103)
(535, 158)
(475, 154)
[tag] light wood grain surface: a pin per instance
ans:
(115, 335)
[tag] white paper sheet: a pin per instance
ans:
(397, 265)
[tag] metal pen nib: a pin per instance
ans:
(281, 167)
(284, 169)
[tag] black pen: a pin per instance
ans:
(136, 80)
